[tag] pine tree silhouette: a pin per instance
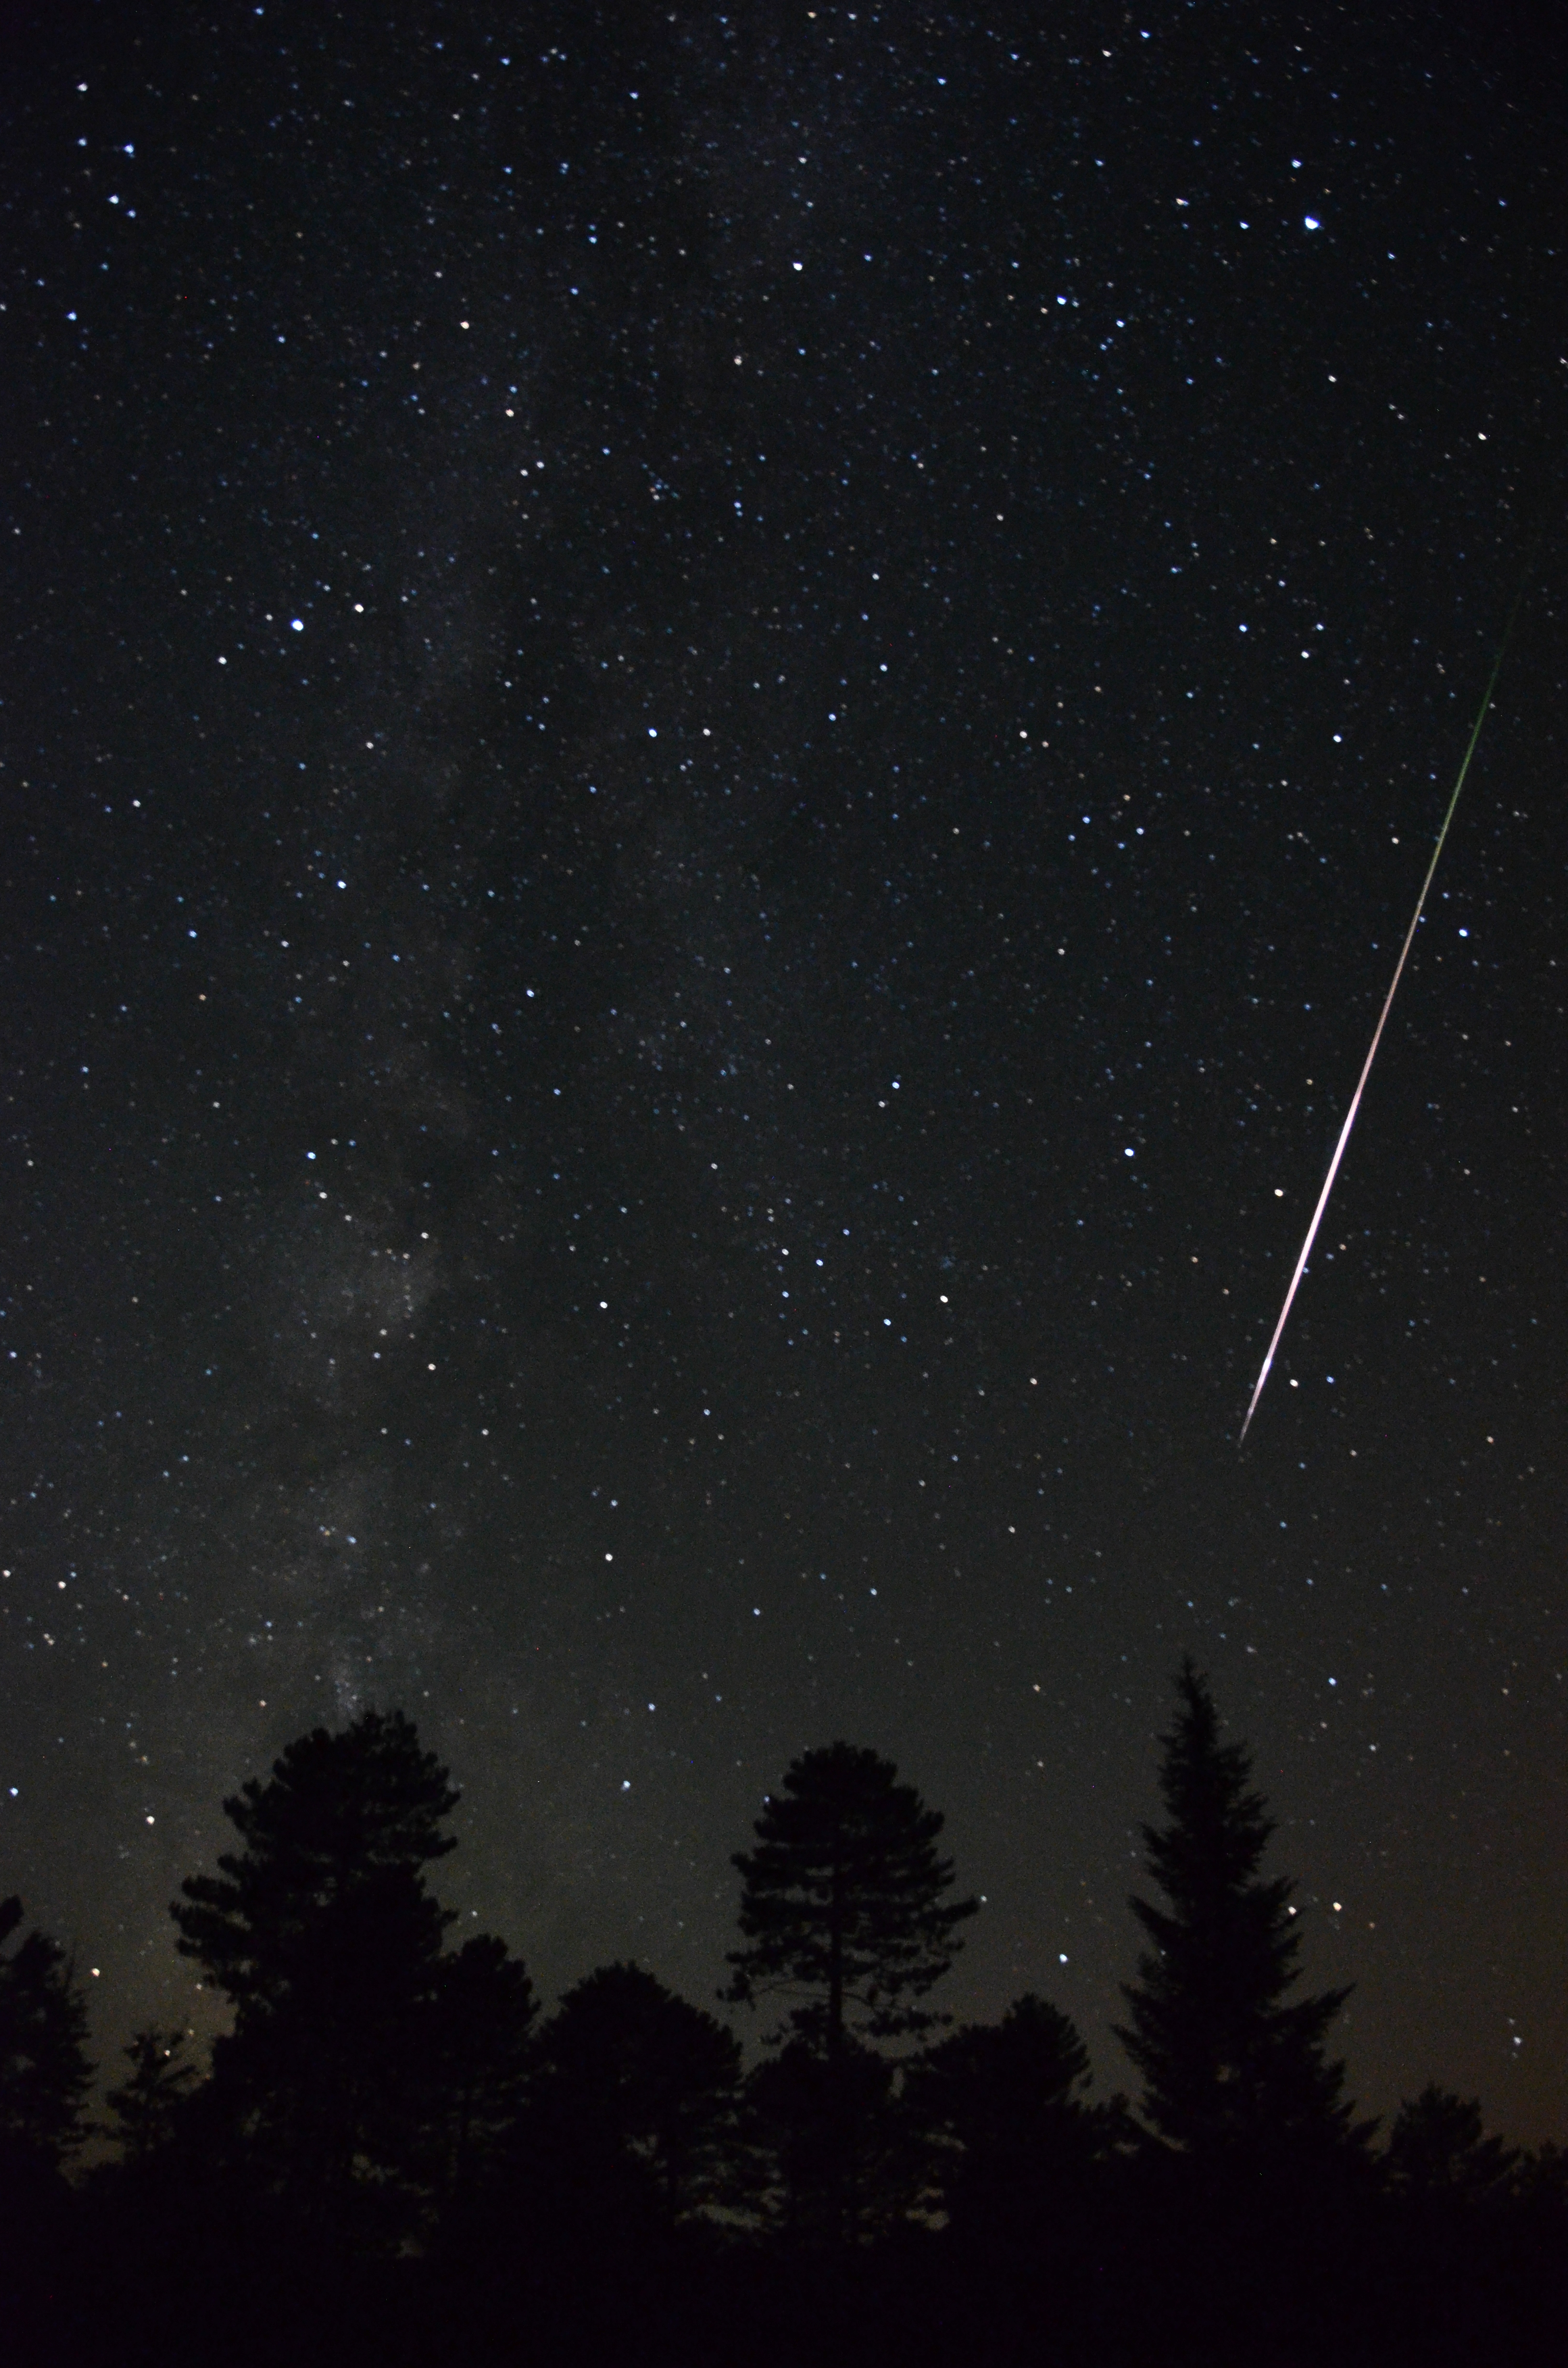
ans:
(323, 1935)
(843, 1902)
(844, 1912)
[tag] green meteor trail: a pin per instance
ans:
(1306, 1252)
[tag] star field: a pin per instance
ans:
(717, 732)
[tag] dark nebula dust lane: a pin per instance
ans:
(716, 731)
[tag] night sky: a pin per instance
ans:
(717, 729)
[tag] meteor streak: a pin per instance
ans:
(1378, 1031)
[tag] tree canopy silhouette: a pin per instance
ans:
(1436, 2149)
(477, 2060)
(845, 1911)
(1230, 2066)
(323, 1933)
(1005, 2105)
(843, 1906)
(830, 2157)
(44, 2071)
(340, 1811)
(627, 2072)
(146, 2106)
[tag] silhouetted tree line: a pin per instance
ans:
(393, 2154)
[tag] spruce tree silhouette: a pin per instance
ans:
(1231, 2070)
(844, 1910)
(44, 2071)
(1436, 2150)
(325, 1937)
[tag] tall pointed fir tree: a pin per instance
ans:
(844, 1912)
(1233, 2070)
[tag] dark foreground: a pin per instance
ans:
(185, 2272)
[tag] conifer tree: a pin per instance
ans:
(44, 2071)
(146, 2106)
(844, 1904)
(1012, 2137)
(844, 1912)
(1437, 2150)
(325, 1937)
(827, 2153)
(339, 1812)
(1231, 2066)
(628, 2073)
(479, 2054)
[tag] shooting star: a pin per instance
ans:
(1301, 1267)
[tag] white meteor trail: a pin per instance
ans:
(1377, 1037)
